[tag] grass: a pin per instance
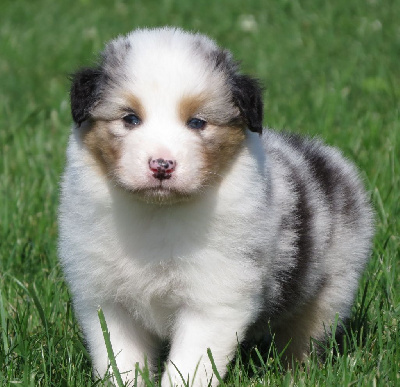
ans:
(330, 69)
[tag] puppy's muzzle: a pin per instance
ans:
(162, 169)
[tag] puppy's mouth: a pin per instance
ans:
(161, 184)
(161, 194)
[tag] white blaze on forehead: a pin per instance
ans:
(162, 67)
(166, 65)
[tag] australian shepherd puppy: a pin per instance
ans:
(188, 223)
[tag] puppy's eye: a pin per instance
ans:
(196, 123)
(132, 119)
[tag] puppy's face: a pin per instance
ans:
(165, 113)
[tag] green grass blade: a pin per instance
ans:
(110, 352)
(214, 368)
(32, 294)
(3, 319)
(185, 382)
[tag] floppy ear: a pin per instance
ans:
(247, 95)
(85, 92)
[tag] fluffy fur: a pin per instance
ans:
(244, 232)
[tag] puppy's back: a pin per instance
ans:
(324, 233)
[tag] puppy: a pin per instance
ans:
(188, 223)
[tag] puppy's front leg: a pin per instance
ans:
(131, 343)
(195, 332)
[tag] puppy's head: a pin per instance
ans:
(165, 112)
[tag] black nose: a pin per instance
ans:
(162, 169)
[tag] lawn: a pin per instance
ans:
(330, 69)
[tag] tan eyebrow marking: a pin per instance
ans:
(135, 104)
(190, 105)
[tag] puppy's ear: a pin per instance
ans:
(85, 92)
(247, 95)
(246, 91)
